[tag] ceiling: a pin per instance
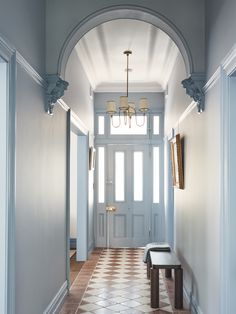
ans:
(151, 62)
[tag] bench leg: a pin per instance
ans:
(148, 267)
(179, 288)
(154, 288)
(168, 272)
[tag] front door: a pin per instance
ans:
(128, 189)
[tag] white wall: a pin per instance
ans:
(197, 207)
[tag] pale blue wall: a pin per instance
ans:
(23, 24)
(220, 31)
(40, 166)
(40, 199)
(155, 100)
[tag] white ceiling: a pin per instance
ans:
(101, 54)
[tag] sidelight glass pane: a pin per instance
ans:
(101, 125)
(119, 176)
(156, 125)
(156, 175)
(101, 174)
(138, 176)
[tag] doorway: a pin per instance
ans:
(130, 179)
(77, 216)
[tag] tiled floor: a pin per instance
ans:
(118, 284)
(75, 268)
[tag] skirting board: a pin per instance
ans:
(194, 307)
(57, 300)
(91, 248)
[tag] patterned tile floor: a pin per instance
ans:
(118, 284)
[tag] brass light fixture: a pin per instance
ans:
(127, 108)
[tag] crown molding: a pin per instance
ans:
(119, 87)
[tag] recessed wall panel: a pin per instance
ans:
(120, 224)
(101, 225)
(138, 226)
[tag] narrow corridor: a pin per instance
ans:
(114, 281)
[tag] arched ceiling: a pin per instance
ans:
(101, 54)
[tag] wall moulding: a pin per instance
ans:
(54, 91)
(194, 88)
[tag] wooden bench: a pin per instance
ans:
(166, 260)
(155, 247)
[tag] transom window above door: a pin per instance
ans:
(150, 126)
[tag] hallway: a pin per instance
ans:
(114, 281)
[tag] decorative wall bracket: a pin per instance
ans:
(194, 88)
(54, 90)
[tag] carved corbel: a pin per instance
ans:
(54, 90)
(194, 88)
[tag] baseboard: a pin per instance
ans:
(73, 243)
(192, 303)
(57, 300)
(91, 248)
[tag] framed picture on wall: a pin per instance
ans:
(177, 162)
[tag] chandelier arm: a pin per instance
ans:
(115, 126)
(136, 120)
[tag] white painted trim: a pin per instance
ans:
(63, 104)
(57, 300)
(82, 199)
(75, 120)
(224, 191)
(183, 116)
(229, 62)
(118, 87)
(30, 70)
(212, 81)
(192, 303)
(227, 69)
(8, 53)
(6, 46)
(186, 112)
(10, 50)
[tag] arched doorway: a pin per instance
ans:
(127, 12)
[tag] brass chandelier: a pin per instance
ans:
(126, 107)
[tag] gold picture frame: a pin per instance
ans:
(177, 162)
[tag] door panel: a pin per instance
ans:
(130, 223)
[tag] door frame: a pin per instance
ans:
(227, 172)
(75, 125)
(9, 55)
